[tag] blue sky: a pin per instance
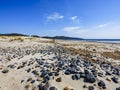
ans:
(75, 18)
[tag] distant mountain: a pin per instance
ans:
(55, 37)
(13, 34)
(35, 36)
(63, 38)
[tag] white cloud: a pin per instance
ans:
(74, 31)
(55, 16)
(75, 19)
(69, 29)
(104, 31)
(109, 31)
(102, 25)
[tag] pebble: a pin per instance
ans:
(53, 88)
(59, 79)
(118, 88)
(90, 78)
(40, 86)
(29, 79)
(11, 66)
(5, 71)
(101, 84)
(84, 86)
(33, 81)
(35, 72)
(56, 73)
(29, 70)
(90, 88)
(115, 79)
(45, 87)
(22, 81)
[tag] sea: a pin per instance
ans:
(104, 40)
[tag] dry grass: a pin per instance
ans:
(85, 52)
(4, 37)
(30, 38)
(115, 55)
(79, 51)
(82, 52)
(16, 38)
(47, 41)
(13, 38)
(70, 45)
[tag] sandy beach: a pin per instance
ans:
(29, 63)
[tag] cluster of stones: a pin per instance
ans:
(67, 64)
(10, 53)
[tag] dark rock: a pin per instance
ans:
(100, 74)
(19, 67)
(118, 88)
(90, 88)
(33, 81)
(104, 87)
(90, 78)
(56, 73)
(52, 88)
(67, 72)
(47, 65)
(35, 72)
(5, 71)
(72, 70)
(50, 74)
(101, 84)
(59, 79)
(36, 66)
(73, 77)
(93, 70)
(108, 73)
(116, 71)
(46, 79)
(115, 79)
(86, 71)
(77, 76)
(84, 86)
(24, 63)
(43, 73)
(11, 66)
(45, 87)
(86, 64)
(82, 75)
(29, 70)
(60, 64)
(29, 79)
(40, 87)
(22, 81)
(94, 84)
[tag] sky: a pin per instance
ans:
(90, 19)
